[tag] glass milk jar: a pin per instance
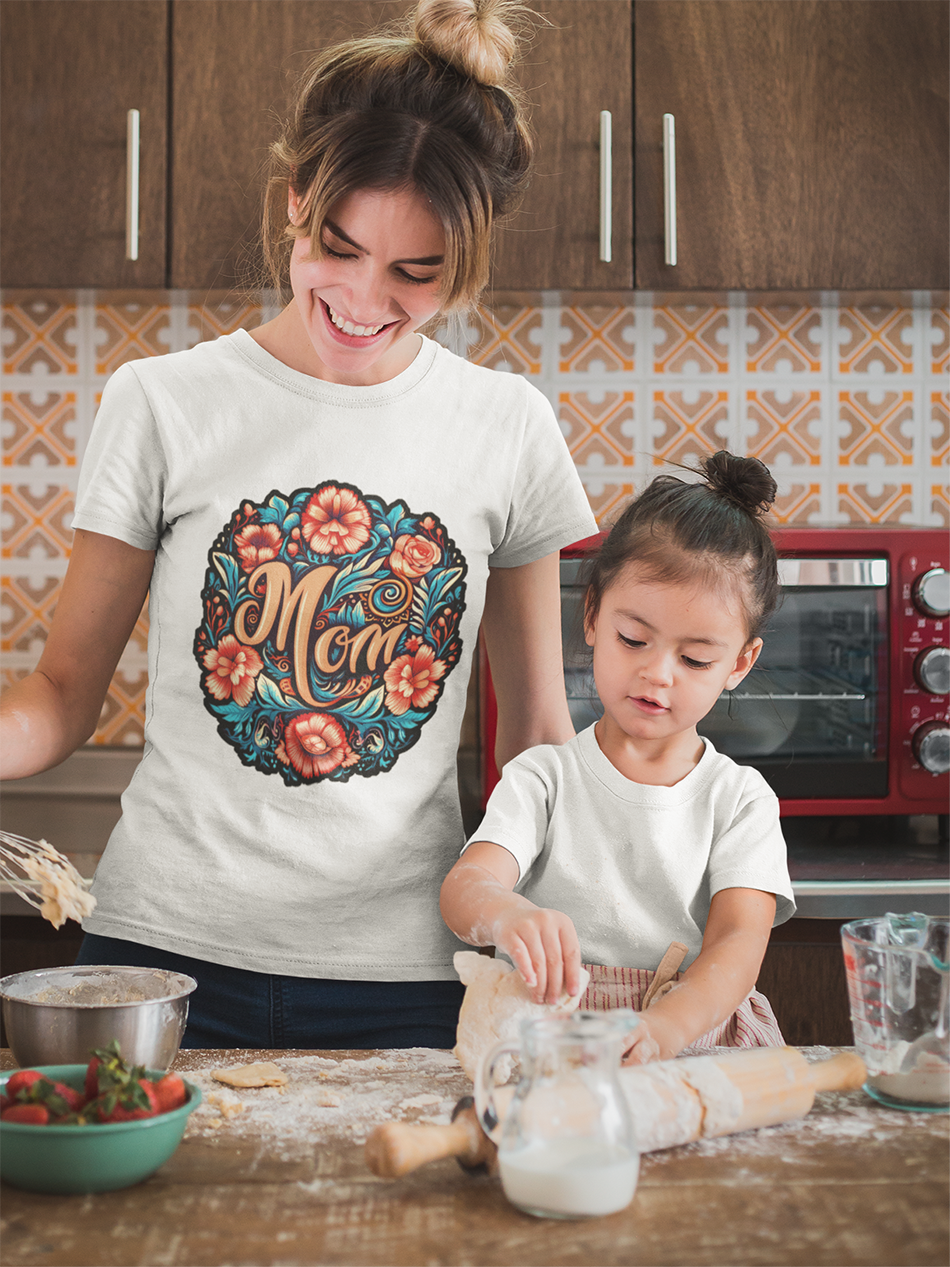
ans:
(566, 1146)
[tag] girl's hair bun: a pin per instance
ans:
(474, 36)
(746, 482)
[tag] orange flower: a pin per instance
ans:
(233, 670)
(258, 543)
(414, 556)
(335, 522)
(315, 744)
(412, 680)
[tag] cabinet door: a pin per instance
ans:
(71, 71)
(811, 143)
(577, 66)
(235, 67)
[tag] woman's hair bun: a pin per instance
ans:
(474, 36)
(746, 482)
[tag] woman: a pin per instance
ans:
(323, 512)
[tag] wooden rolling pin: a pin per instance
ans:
(671, 1102)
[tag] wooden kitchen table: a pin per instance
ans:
(264, 1177)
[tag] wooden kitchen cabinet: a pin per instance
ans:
(70, 72)
(811, 143)
(235, 66)
(577, 66)
(220, 73)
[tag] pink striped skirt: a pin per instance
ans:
(752, 1024)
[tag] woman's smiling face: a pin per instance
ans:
(377, 282)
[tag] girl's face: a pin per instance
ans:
(376, 284)
(663, 653)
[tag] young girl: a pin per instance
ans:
(324, 512)
(636, 834)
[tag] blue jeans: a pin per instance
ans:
(233, 1007)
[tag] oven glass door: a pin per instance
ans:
(812, 714)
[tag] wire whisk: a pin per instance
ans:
(45, 878)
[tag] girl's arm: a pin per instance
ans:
(479, 906)
(521, 626)
(51, 712)
(715, 983)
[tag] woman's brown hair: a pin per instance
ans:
(427, 110)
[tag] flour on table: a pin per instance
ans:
(420, 1101)
(496, 1002)
(263, 1074)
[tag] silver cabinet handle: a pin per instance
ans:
(669, 187)
(132, 149)
(606, 186)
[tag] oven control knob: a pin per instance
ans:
(932, 592)
(932, 670)
(931, 744)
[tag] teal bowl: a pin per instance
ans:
(102, 1158)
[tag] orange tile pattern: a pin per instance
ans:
(39, 334)
(783, 337)
(786, 424)
(689, 425)
(875, 424)
(505, 338)
(940, 341)
(129, 328)
(878, 336)
(596, 338)
(691, 339)
(847, 403)
(39, 428)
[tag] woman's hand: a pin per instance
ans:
(479, 906)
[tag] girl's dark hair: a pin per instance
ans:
(711, 532)
(429, 110)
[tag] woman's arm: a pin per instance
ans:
(521, 626)
(715, 983)
(479, 906)
(50, 713)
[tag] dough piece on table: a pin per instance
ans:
(262, 1074)
(496, 1002)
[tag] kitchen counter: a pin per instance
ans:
(264, 1177)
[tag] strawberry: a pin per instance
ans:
(74, 1099)
(33, 1114)
(170, 1092)
(22, 1080)
(126, 1103)
(5, 1101)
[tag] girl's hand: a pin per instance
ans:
(652, 1039)
(543, 946)
(479, 906)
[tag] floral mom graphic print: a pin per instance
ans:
(330, 624)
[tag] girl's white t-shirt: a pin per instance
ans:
(321, 559)
(634, 866)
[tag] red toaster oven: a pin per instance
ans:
(846, 710)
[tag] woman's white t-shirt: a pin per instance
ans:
(321, 559)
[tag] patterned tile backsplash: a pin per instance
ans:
(844, 398)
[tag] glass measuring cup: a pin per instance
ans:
(566, 1146)
(897, 968)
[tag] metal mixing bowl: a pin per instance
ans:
(56, 1016)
